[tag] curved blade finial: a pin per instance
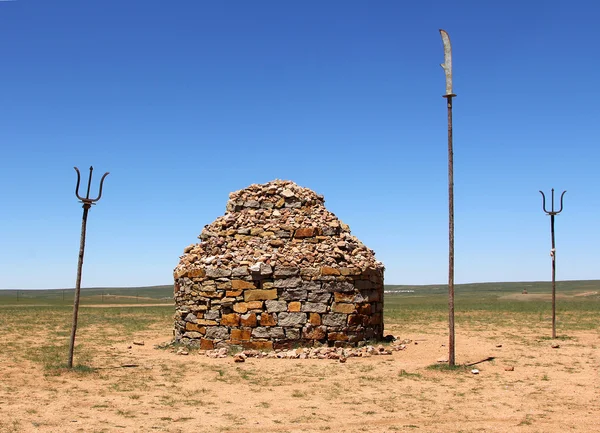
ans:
(447, 65)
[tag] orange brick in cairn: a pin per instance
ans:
(258, 345)
(343, 308)
(206, 344)
(337, 336)
(230, 319)
(357, 319)
(241, 285)
(326, 270)
(344, 297)
(248, 319)
(260, 295)
(364, 309)
(254, 305)
(267, 319)
(314, 333)
(294, 306)
(195, 327)
(238, 335)
(314, 319)
(305, 232)
(192, 273)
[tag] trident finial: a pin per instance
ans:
(552, 212)
(87, 200)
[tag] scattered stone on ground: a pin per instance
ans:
(509, 368)
(339, 353)
(138, 342)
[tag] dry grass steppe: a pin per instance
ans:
(550, 389)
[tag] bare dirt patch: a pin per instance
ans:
(150, 304)
(540, 296)
(550, 390)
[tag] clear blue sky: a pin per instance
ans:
(186, 101)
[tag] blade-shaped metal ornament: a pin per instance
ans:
(447, 65)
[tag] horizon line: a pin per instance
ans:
(385, 284)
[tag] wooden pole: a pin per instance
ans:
(451, 338)
(86, 208)
(553, 278)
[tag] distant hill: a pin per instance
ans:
(95, 295)
(500, 288)
(164, 293)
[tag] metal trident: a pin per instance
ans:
(552, 213)
(87, 204)
(87, 200)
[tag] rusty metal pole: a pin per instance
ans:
(87, 204)
(552, 213)
(447, 66)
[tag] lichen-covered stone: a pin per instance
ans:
(294, 295)
(217, 272)
(288, 283)
(291, 319)
(319, 297)
(217, 332)
(274, 306)
(334, 319)
(268, 332)
(314, 307)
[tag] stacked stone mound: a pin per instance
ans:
(277, 270)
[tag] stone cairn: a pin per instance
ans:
(278, 270)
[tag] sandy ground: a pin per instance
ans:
(550, 389)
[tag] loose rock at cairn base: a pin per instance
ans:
(278, 270)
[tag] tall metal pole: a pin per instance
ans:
(447, 66)
(552, 213)
(87, 204)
